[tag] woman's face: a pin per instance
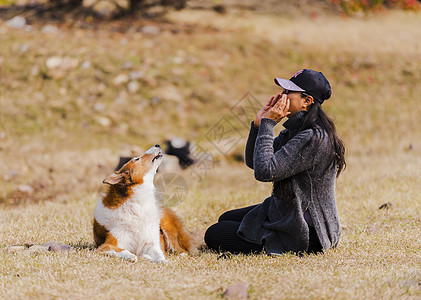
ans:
(296, 102)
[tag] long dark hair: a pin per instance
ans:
(317, 118)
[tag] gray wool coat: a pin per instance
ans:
(304, 181)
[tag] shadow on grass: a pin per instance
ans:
(81, 245)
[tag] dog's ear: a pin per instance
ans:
(115, 178)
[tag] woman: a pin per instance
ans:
(302, 162)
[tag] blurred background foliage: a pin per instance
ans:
(119, 8)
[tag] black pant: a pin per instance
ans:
(223, 236)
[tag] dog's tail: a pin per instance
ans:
(174, 237)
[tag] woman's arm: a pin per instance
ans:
(296, 156)
(263, 112)
(250, 145)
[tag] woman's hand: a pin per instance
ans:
(280, 109)
(264, 110)
(276, 108)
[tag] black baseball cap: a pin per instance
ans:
(309, 81)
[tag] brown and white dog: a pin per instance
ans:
(128, 220)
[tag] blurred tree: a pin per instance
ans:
(139, 5)
(69, 4)
(353, 6)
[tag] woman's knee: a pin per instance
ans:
(225, 216)
(210, 235)
(236, 215)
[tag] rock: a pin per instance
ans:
(49, 243)
(62, 63)
(86, 64)
(10, 175)
(99, 106)
(135, 75)
(133, 87)
(13, 249)
(17, 22)
(178, 60)
(104, 121)
(24, 188)
(37, 249)
(62, 91)
(238, 291)
(49, 29)
(156, 100)
(69, 63)
(34, 70)
(127, 65)
(23, 48)
(121, 79)
(61, 248)
(152, 30)
(386, 205)
(169, 92)
(54, 62)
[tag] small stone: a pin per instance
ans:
(49, 243)
(37, 248)
(26, 189)
(13, 249)
(386, 205)
(170, 93)
(34, 70)
(62, 91)
(238, 291)
(156, 100)
(152, 30)
(99, 106)
(86, 64)
(54, 62)
(69, 63)
(127, 65)
(121, 79)
(49, 29)
(17, 22)
(178, 60)
(133, 87)
(135, 75)
(61, 248)
(23, 48)
(10, 175)
(104, 121)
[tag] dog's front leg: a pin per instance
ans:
(154, 254)
(112, 250)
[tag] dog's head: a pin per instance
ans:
(138, 170)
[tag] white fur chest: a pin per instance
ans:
(135, 224)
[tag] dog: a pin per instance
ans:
(128, 220)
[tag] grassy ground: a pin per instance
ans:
(62, 130)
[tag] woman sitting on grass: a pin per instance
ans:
(302, 162)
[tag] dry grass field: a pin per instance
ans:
(73, 100)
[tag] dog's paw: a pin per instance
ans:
(125, 254)
(155, 257)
